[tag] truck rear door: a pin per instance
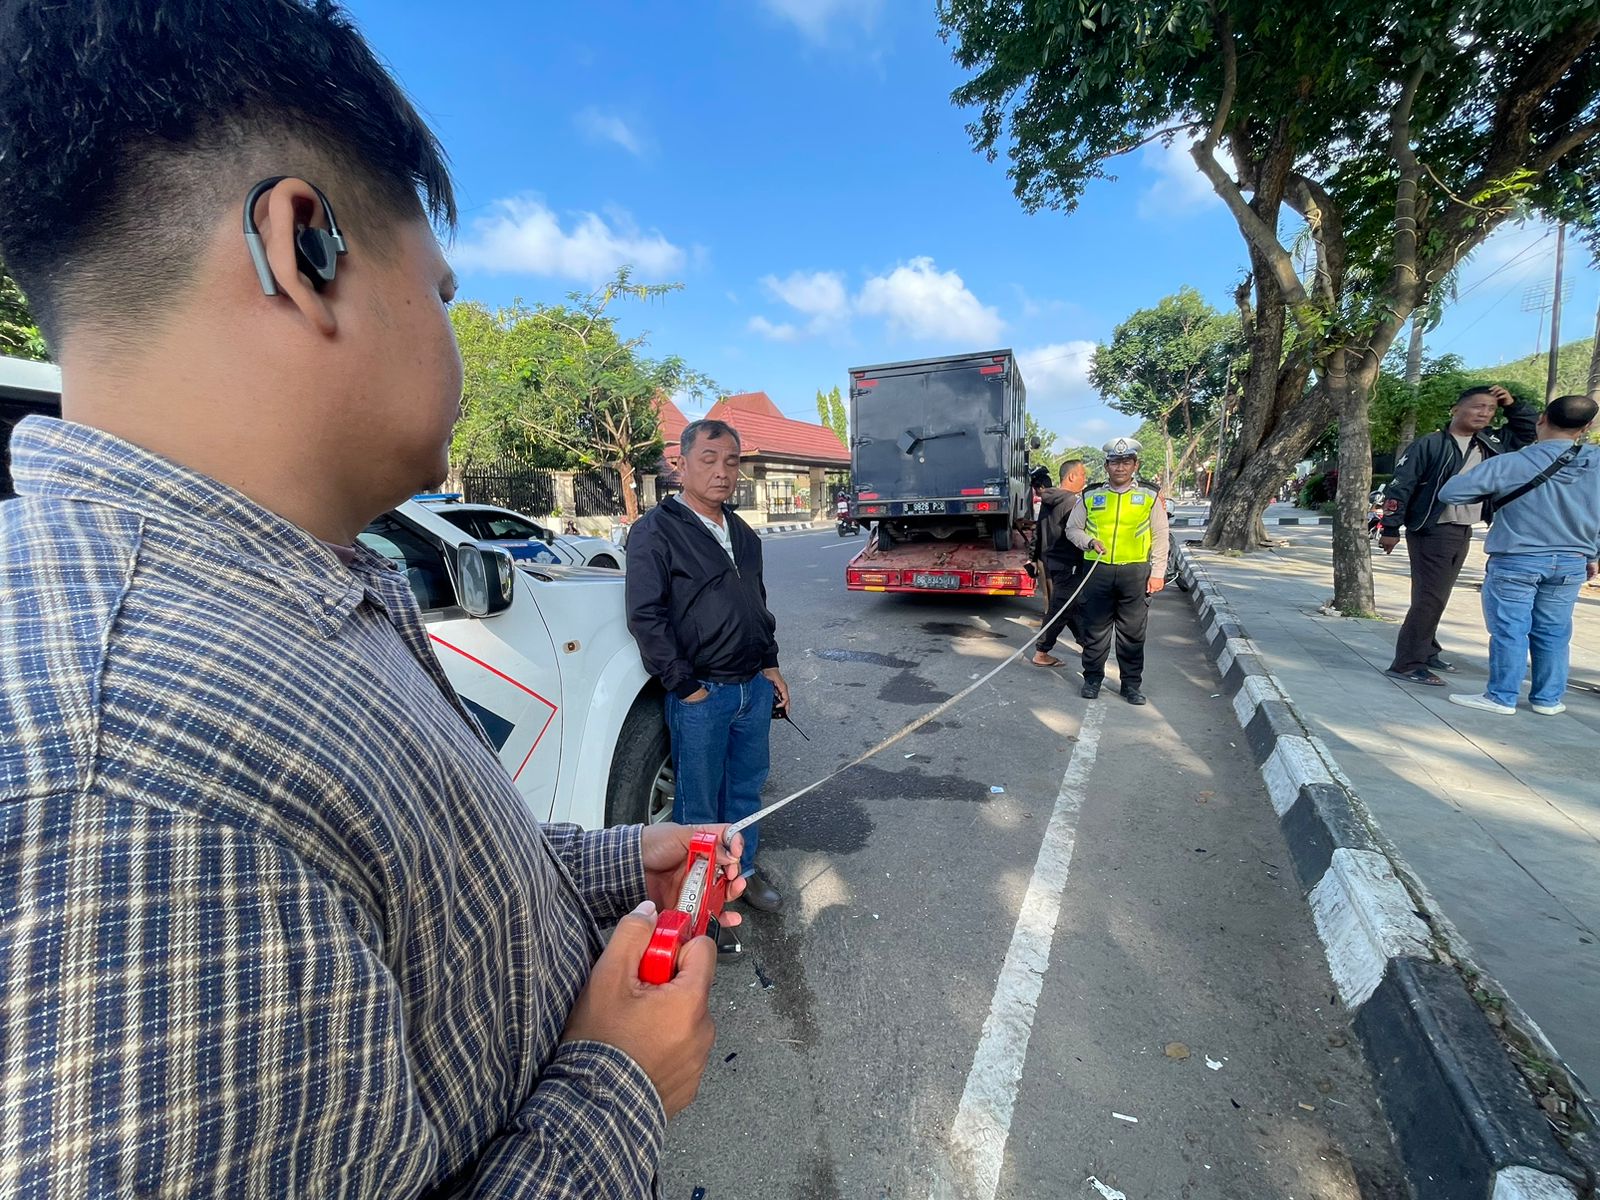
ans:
(931, 433)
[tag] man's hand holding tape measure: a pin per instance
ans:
(666, 1028)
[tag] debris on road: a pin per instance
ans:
(1125, 1117)
(731, 1056)
(995, 789)
(1176, 1050)
(1106, 1190)
(1213, 1064)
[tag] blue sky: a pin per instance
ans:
(798, 166)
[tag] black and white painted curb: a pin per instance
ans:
(1200, 522)
(769, 530)
(1464, 1120)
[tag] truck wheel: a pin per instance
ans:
(1002, 539)
(641, 787)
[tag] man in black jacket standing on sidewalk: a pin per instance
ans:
(697, 606)
(1438, 535)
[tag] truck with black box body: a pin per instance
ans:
(938, 448)
(939, 465)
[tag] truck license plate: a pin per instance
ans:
(921, 508)
(922, 580)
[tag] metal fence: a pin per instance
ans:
(597, 493)
(510, 484)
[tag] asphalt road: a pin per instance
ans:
(896, 1031)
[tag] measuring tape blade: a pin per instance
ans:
(762, 814)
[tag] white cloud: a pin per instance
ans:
(1060, 396)
(1513, 257)
(817, 18)
(780, 332)
(525, 237)
(920, 301)
(820, 295)
(1179, 188)
(608, 127)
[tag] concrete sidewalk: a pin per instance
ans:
(1499, 817)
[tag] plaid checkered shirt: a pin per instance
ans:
(274, 921)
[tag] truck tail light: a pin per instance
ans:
(990, 370)
(872, 510)
(998, 579)
(980, 506)
(857, 578)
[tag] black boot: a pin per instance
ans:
(1091, 689)
(759, 893)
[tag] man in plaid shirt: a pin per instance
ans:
(273, 919)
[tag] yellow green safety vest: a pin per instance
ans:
(1121, 522)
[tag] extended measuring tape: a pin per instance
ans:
(700, 903)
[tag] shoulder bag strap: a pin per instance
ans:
(1541, 478)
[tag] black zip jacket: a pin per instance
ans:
(1411, 498)
(1051, 546)
(694, 614)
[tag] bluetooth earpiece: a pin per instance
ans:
(315, 250)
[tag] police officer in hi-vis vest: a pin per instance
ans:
(1122, 526)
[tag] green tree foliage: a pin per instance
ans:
(19, 336)
(1400, 135)
(1171, 366)
(830, 412)
(1572, 371)
(560, 385)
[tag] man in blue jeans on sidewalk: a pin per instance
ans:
(1543, 545)
(697, 606)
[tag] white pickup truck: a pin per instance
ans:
(553, 676)
(541, 654)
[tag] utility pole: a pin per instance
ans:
(1594, 360)
(1555, 316)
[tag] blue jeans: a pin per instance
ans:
(1527, 604)
(721, 755)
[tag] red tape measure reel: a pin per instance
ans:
(700, 899)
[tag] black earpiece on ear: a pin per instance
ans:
(316, 250)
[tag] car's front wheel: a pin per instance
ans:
(641, 786)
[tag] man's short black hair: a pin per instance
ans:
(1571, 412)
(695, 430)
(1476, 390)
(1067, 464)
(127, 127)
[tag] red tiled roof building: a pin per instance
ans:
(786, 466)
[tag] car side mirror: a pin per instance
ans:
(486, 577)
(1036, 444)
(549, 535)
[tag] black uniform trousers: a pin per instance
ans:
(1065, 564)
(1114, 602)
(1436, 555)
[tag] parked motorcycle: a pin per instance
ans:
(846, 520)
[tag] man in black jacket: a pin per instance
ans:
(1061, 560)
(697, 606)
(1438, 535)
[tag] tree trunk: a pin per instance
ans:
(1408, 420)
(1352, 554)
(630, 500)
(1277, 421)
